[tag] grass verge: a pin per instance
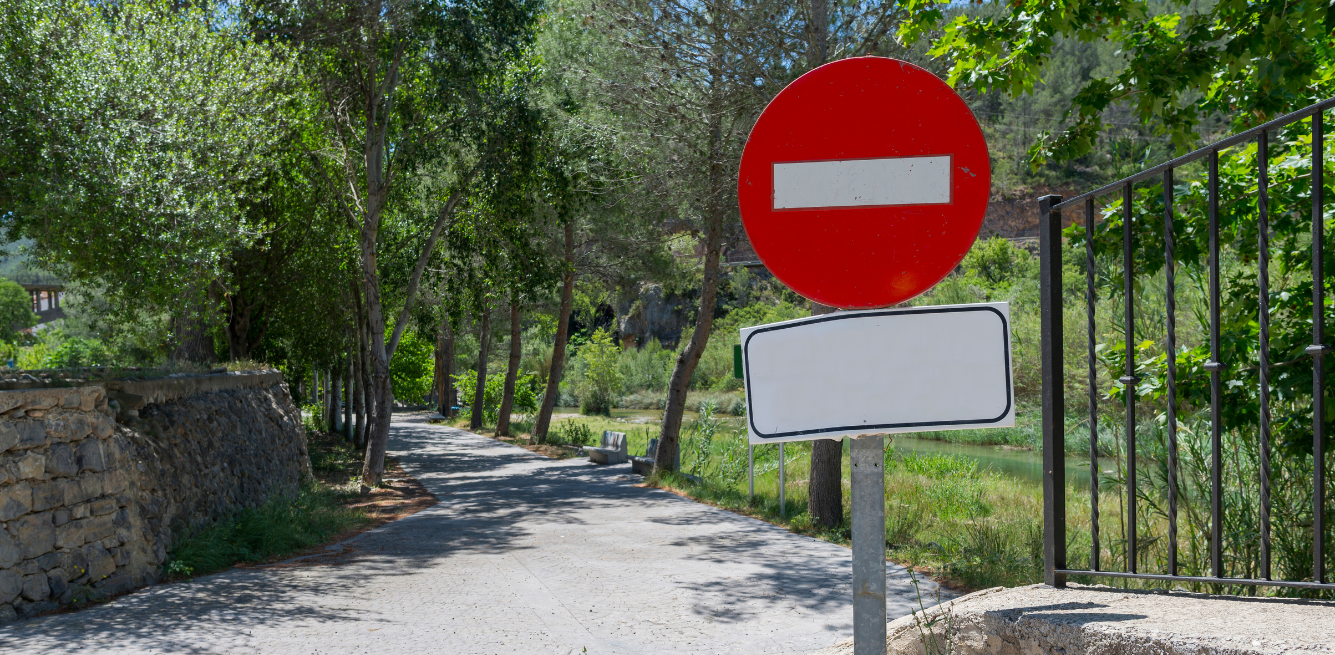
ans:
(279, 527)
(968, 529)
(326, 509)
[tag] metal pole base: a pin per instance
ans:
(750, 472)
(868, 454)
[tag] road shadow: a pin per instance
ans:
(492, 497)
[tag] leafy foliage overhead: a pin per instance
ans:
(1181, 60)
(131, 134)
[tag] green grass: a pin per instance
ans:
(1027, 432)
(282, 526)
(975, 529)
(331, 457)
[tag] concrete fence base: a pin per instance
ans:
(1089, 620)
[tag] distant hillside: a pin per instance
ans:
(14, 265)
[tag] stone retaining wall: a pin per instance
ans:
(89, 506)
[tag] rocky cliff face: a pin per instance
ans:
(653, 315)
(89, 506)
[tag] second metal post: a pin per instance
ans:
(868, 455)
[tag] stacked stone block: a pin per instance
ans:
(65, 514)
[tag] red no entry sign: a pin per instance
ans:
(864, 183)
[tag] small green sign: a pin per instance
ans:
(737, 361)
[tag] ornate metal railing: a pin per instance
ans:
(1050, 246)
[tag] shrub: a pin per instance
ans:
(648, 368)
(79, 353)
(15, 310)
(526, 393)
(732, 403)
(491, 394)
(412, 370)
(312, 416)
(737, 407)
(602, 378)
(565, 397)
(525, 401)
(573, 433)
(996, 264)
(644, 400)
(715, 368)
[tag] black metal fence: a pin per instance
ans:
(1055, 536)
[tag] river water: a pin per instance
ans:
(1025, 465)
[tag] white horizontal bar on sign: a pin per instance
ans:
(879, 371)
(862, 182)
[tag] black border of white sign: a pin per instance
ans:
(861, 369)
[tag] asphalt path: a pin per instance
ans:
(523, 554)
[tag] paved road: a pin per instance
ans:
(523, 555)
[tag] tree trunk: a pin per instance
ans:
(562, 334)
(368, 392)
(825, 491)
(666, 456)
(324, 401)
(438, 389)
(335, 399)
(511, 371)
(377, 440)
(238, 328)
(447, 393)
(358, 405)
(819, 49)
(480, 389)
(347, 396)
(193, 343)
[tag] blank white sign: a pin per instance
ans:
(862, 182)
(879, 371)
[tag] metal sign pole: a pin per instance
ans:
(783, 508)
(868, 455)
(750, 471)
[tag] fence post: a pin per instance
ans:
(1054, 415)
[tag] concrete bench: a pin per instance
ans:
(611, 451)
(645, 465)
